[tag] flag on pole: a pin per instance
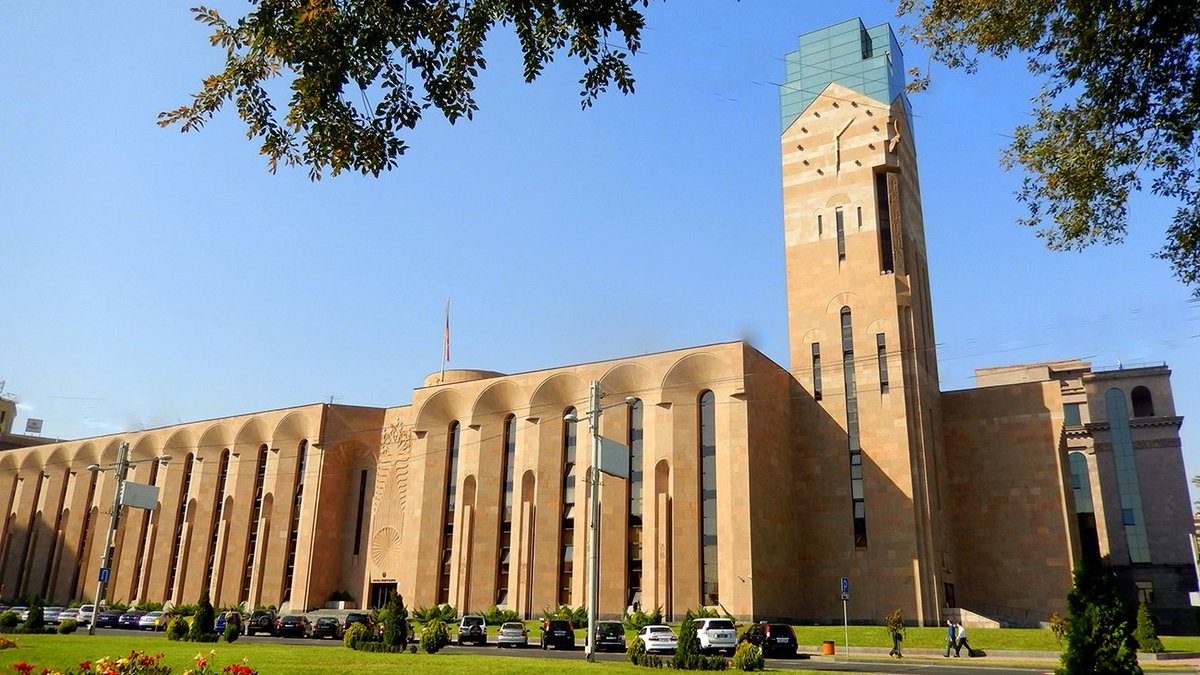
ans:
(446, 354)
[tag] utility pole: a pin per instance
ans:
(122, 469)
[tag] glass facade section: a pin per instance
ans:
(452, 443)
(854, 444)
(867, 60)
(1127, 476)
(567, 532)
(636, 486)
(510, 455)
(708, 498)
(1081, 485)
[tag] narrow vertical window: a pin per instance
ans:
(217, 512)
(567, 533)
(854, 444)
(884, 215)
(708, 498)
(452, 442)
(294, 531)
(820, 226)
(816, 370)
(1127, 476)
(139, 567)
(859, 211)
(636, 484)
(506, 477)
(183, 506)
(362, 509)
(841, 234)
(260, 478)
(881, 358)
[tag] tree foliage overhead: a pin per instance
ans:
(409, 55)
(1118, 110)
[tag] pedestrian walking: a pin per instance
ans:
(895, 626)
(951, 637)
(962, 640)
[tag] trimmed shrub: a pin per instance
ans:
(9, 620)
(232, 632)
(636, 651)
(434, 637)
(495, 616)
(67, 627)
(748, 657)
(1146, 632)
(357, 633)
(177, 628)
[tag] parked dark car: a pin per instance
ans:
(131, 619)
(357, 617)
(610, 635)
(774, 639)
(558, 633)
(109, 618)
(327, 626)
(293, 625)
(261, 621)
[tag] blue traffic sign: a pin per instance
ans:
(845, 585)
(104, 572)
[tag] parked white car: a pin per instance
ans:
(512, 634)
(659, 638)
(716, 635)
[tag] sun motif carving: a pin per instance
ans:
(385, 548)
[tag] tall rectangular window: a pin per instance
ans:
(510, 454)
(883, 213)
(820, 226)
(853, 440)
(636, 485)
(708, 499)
(567, 532)
(816, 370)
(841, 234)
(448, 517)
(1071, 414)
(881, 357)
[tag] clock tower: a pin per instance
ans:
(860, 325)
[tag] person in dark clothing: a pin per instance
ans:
(951, 638)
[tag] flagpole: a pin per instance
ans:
(445, 344)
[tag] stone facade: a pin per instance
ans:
(750, 487)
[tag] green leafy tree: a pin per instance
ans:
(1099, 638)
(406, 56)
(1146, 633)
(1118, 110)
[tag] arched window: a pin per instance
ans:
(260, 479)
(636, 485)
(567, 532)
(1143, 404)
(506, 514)
(708, 497)
(452, 442)
(294, 533)
(183, 506)
(217, 511)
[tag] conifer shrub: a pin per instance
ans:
(177, 628)
(1146, 633)
(395, 622)
(202, 629)
(1099, 638)
(232, 632)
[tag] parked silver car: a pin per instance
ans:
(512, 634)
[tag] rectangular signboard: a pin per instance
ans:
(139, 495)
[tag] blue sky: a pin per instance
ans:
(154, 277)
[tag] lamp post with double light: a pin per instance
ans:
(121, 469)
(594, 512)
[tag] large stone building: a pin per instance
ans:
(750, 486)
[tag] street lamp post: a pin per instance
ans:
(594, 515)
(121, 468)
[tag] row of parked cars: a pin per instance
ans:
(715, 635)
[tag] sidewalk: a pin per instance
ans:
(1168, 662)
